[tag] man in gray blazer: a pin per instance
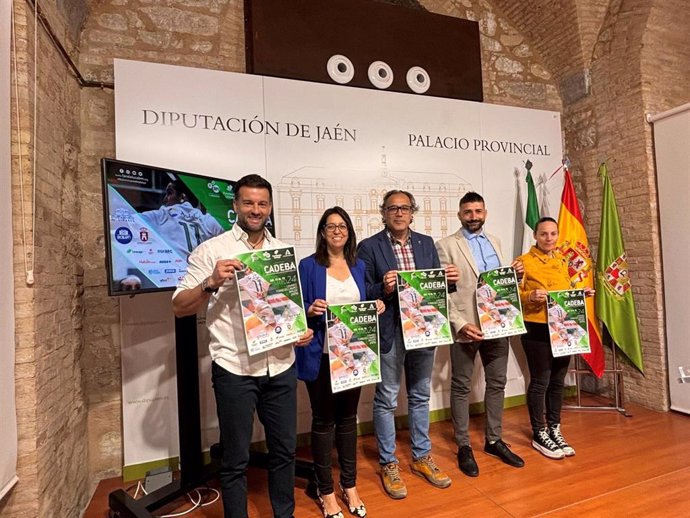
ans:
(473, 251)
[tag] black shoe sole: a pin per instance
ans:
(504, 461)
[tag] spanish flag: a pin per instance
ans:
(573, 244)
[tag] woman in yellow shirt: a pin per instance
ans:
(545, 270)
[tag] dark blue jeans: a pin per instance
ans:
(275, 401)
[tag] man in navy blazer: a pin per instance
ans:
(395, 248)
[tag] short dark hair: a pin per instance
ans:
(544, 220)
(471, 197)
(255, 181)
(350, 249)
(182, 189)
(392, 192)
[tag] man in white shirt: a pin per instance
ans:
(265, 382)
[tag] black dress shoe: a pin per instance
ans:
(500, 449)
(466, 462)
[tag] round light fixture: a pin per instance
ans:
(340, 68)
(380, 74)
(418, 80)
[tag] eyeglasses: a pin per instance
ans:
(393, 209)
(332, 227)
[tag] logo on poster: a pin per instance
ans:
(123, 235)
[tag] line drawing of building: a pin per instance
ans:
(306, 192)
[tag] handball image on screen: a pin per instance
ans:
(154, 217)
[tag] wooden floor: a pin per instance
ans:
(625, 466)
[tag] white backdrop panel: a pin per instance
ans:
(374, 141)
(672, 151)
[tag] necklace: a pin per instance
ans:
(255, 245)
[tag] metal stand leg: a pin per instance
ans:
(617, 373)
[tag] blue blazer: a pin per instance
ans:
(313, 279)
(377, 254)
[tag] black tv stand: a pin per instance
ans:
(193, 472)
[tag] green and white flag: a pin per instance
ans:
(567, 319)
(498, 303)
(423, 298)
(353, 345)
(272, 309)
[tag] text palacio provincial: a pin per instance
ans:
(477, 144)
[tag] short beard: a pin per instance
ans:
(243, 226)
(466, 226)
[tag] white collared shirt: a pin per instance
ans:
(227, 343)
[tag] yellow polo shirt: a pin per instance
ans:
(542, 272)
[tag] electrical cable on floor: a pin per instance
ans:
(196, 504)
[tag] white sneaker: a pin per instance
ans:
(542, 442)
(557, 437)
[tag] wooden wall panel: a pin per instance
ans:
(295, 38)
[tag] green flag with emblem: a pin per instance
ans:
(615, 305)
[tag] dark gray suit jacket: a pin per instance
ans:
(377, 254)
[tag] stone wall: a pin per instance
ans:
(513, 71)
(52, 467)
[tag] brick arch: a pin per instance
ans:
(665, 56)
(562, 32)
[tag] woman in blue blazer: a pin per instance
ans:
(331, 275)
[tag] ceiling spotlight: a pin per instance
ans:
(340, 69)
(418, 80)
(380, 74)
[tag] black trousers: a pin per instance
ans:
(334, 418)
(275, 401)
(547, 377)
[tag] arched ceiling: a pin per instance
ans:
(562, 31)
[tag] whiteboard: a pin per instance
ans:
(672, 150)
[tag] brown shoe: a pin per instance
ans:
(427, 468)
(392, 483)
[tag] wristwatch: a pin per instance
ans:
(206, 287)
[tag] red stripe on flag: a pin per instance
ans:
(569, 198)
(572, 240)
(595, 359)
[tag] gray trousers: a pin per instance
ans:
(494, 356)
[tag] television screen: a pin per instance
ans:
(154, 218)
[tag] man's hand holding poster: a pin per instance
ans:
(498, 303)
(423, 298)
